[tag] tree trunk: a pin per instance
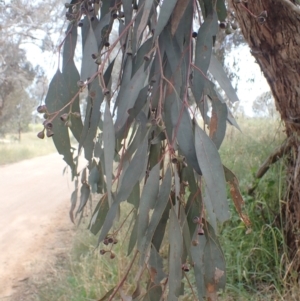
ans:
(272, 30)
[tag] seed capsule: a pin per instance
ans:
(48, 125)
(102, 252)
(222, 25)
(41, 135)
(64, 117)
(49, 133)
(42, 109)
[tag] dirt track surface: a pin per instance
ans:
(34, 221)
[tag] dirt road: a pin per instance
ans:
(34, 222)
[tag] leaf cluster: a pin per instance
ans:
(148, 88)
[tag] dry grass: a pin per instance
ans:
(11, 150)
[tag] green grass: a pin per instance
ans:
(256, 261)
(12, 150)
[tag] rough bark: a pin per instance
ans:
(272, 30)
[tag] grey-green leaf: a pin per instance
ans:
(206, 34)
(159, 208)
(166, 10)
(57, 97)
(129, 178)
(109, 148)
(213, 173)
(84, 196)
(99, 215)
(183, 129)
(217, 71)
(147, 202)
(128, 97)
(88, 66)
(176, 248)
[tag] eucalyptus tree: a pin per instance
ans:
(148, 137)
(271, 28)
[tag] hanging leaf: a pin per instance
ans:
(133, 236)
(88, 66)
(134, 197)
(130, 176)
(109, 149)
(166, 10)
(156, 267)
(221, 10)
(176, 248)
(58, 97)
(96, 97)
(129, 96)
(218, 122)
(183, 130)
(236, 195)
(217, 71)
(74, 197)
(148, 199)
(206, 34)
(212, 169)
(214, 266)
(197, 250)
(99, 215)
(177, 14)
(159, 208)
(84, 196)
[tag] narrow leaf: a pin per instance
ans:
(130, 176)
(159, 208)
(182, 125)
(217, 71)
(99, 215)
(133, 237)
(214, 266)
(156, 267)
(206, 34)
(109, 149)
(166, 10)
(236, 195)
(213, 173)
(128, 97)
(57, 97)
(84, 196)
(176, 248)
(88, 66)
(147, 202)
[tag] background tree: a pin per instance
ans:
(22, 22)
(264, 105)
(142, 140)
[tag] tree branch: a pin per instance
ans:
(273, 158)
